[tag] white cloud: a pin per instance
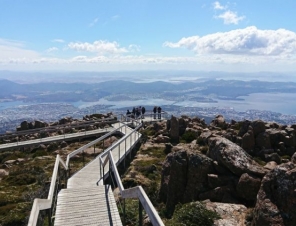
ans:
(100, 47)
(134, 48)
(248, 41)
(211, 62)
(230, 17)
(15, 49)
(52, 49)
(241, 49)
(218, 6)
(58, 40)
(93, 22)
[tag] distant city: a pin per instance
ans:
(187, 94)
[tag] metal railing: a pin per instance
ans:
(105, 157)
(135, 192)
(63, 127)
(47, 204)
(69, 136)
(148, 116)
(50, 202)
(81, 149)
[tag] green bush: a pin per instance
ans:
(189, 136)
(200, 141)
(193, 214)
(11, 156)
(131, 211)
(40, 153)
(148, 132)
(204, 149)
(21, 179)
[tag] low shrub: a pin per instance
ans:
(189, 136)
(193, 214)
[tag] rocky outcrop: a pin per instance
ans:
(230, 214)
(219, 121)
(39, 124)
(248, 186)
(276, 199)
(171, 191)
(233, 157)
(177, 169)
(174, 129)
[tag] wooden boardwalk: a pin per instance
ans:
(86, 203)
(87, 206)
(64, 137)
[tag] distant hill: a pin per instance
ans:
(220, 89)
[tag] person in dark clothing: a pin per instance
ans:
(134, 111)
(159, 112)
(128, 115)
(143, 112)
(137, 113)
(154, 111)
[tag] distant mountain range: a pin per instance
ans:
(57, 92)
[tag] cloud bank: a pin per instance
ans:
(247, 41)
(100, 47)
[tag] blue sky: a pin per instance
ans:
(97, 35)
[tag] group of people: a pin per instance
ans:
(158, 110)
(139, 112)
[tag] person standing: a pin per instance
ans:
(154, 111)
(159, 112)
(143, 111)
(128, 115)
(134, 111)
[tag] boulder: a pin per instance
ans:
(289, 140)
(258, 127)
(230, 214)
(276, 136)
(270, 165)
(173, 180)
(293, 158)
(24, 125)
(273, 157)
(199, 166)
(40, 124)
(215, 180)
(31, 125)
(219, 121)
(248, 186)
(233, 157)
(3, 173)
(276, 199)
(244, 127)
(204, 136)
(174, 131)
(63, 144)
(161, 139)
(65, 120)
(184, 176)
(248, 141)
(182, 125)
(263, 140)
